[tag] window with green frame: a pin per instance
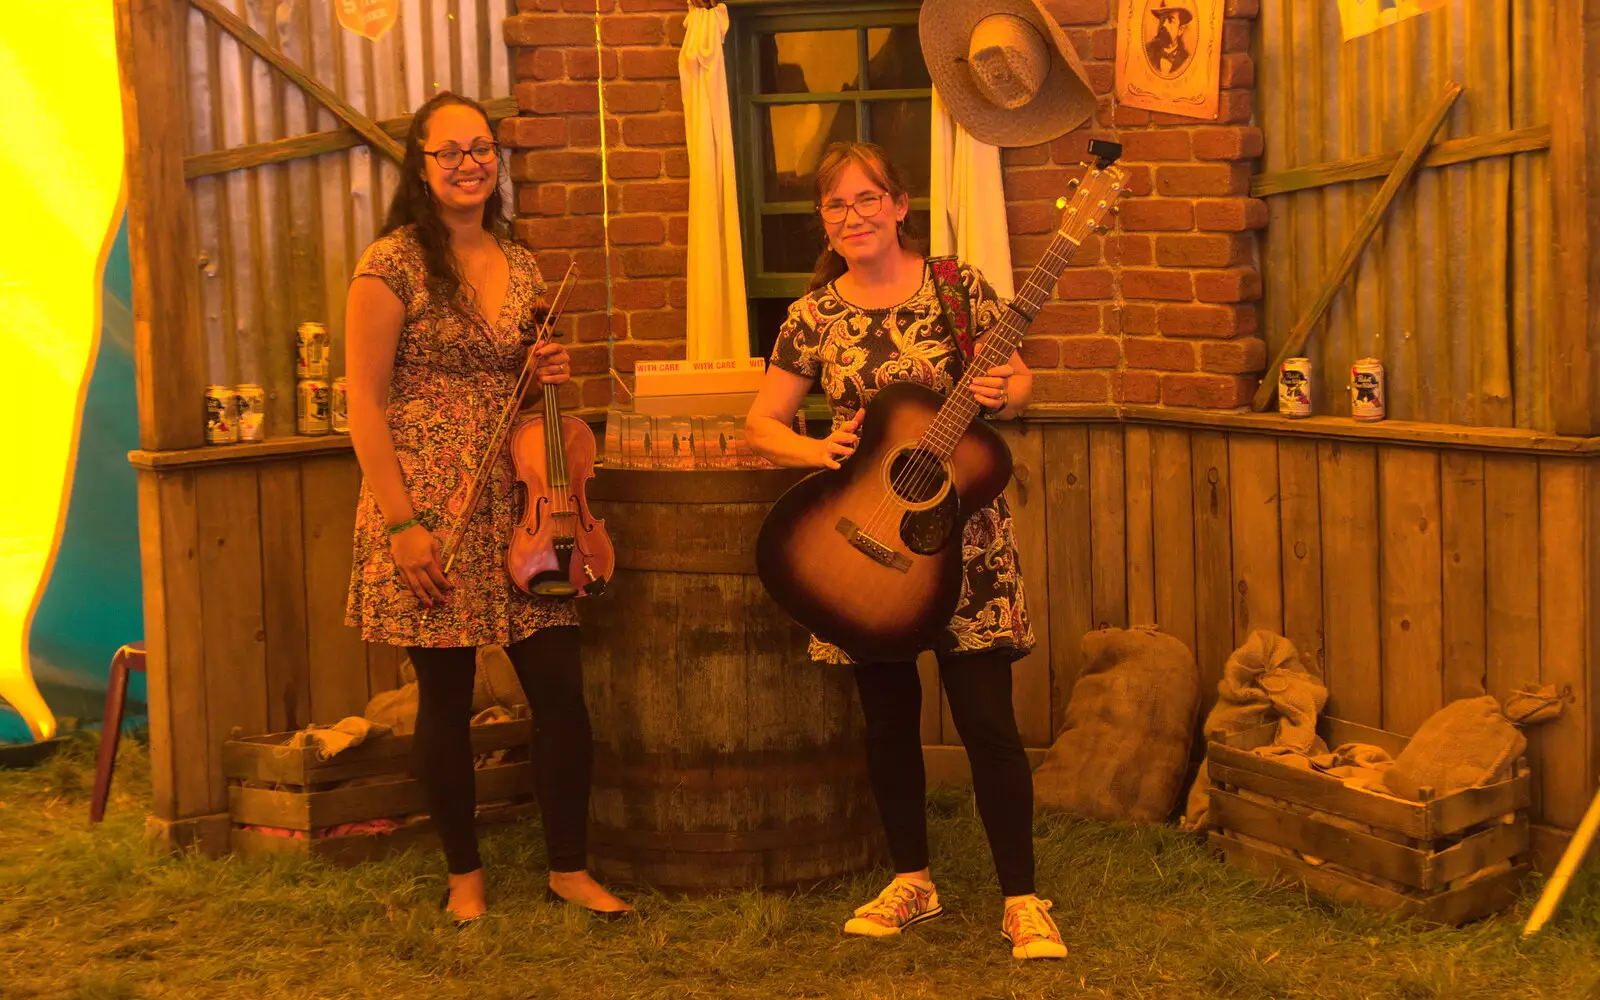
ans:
(800, 76)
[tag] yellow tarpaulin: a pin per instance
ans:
(1363, 17)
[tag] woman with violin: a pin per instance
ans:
(434, 349)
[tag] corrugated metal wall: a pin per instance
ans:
(278, 242)
(1453, 292)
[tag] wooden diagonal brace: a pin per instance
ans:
(1404, 167)
(248, 37)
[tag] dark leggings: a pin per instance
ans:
(551, 672)
(979, 689)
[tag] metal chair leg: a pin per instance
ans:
(110, 734)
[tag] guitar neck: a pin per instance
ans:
(960, 409)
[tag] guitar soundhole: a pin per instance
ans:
(917, 478)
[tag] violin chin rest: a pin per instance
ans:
(554, 588)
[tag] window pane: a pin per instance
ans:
(919, 228)
(796, 135)
(769, 316)
(894, 59)
(905, 129)
(809, 62)
(790, 243)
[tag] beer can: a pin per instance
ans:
(341, 406)
(222, 408)
(1294, 388)
(311, 351)
(251, 401)
(1367, 390)
(312, 406)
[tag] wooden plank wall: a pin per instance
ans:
(1411, 575)
(255, 565)
(277, 243)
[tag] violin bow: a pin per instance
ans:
(509, 414)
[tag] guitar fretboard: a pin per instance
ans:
(960, 409)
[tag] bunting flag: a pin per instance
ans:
(1363, 17)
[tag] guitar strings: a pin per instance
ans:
(925, 465)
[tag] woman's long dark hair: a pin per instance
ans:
(875, 163)
(413, 204)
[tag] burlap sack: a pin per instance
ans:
(1265, 680)
(1125, 747)
(495, 685)
(1468, 743)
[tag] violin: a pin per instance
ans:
(557, 548)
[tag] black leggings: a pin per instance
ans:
(979, 690)
(551, 672)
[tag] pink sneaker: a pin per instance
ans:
(904, 903)
(1027, 927)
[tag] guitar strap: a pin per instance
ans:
(954, 301)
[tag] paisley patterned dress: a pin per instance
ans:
(452, 375)
(856, 352)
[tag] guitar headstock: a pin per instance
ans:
(1094, 198)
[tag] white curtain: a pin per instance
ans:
(718, 317)
(968, 201)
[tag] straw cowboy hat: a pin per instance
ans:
(1005, 70)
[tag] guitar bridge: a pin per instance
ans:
(872, 548)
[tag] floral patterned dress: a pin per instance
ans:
(856, 352)
(452, 375)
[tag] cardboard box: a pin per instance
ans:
(696, 405)
(690, 378)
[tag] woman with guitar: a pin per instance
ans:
(878, 312)
(434, 349)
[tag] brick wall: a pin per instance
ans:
(1161, 310)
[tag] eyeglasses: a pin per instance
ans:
(450, 157)
(866, 206)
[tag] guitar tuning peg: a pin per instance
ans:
(1125, 193)
(1072, 185)
(1061, 203)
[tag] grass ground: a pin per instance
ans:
(89, 914)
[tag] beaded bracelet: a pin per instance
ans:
(410, 522)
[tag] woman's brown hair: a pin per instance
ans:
(413, 204)
(875, 163)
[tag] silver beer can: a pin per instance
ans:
(1367, 393)
(311, 351)
(1294, 388)
(341, 406)
(312, 406)
(222, 409)
(251, 400)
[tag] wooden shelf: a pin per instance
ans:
(294, 446)
(1492, 439)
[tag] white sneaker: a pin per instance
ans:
(1027, 927)
(904, 903)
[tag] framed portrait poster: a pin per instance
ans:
(1169, 55)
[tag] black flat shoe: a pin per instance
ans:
(444, 904)
(552, 896)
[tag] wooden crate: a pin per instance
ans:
(1421, 847)
(307, 796)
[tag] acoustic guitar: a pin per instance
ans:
(868, 556)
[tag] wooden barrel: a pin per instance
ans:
(724, 757)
